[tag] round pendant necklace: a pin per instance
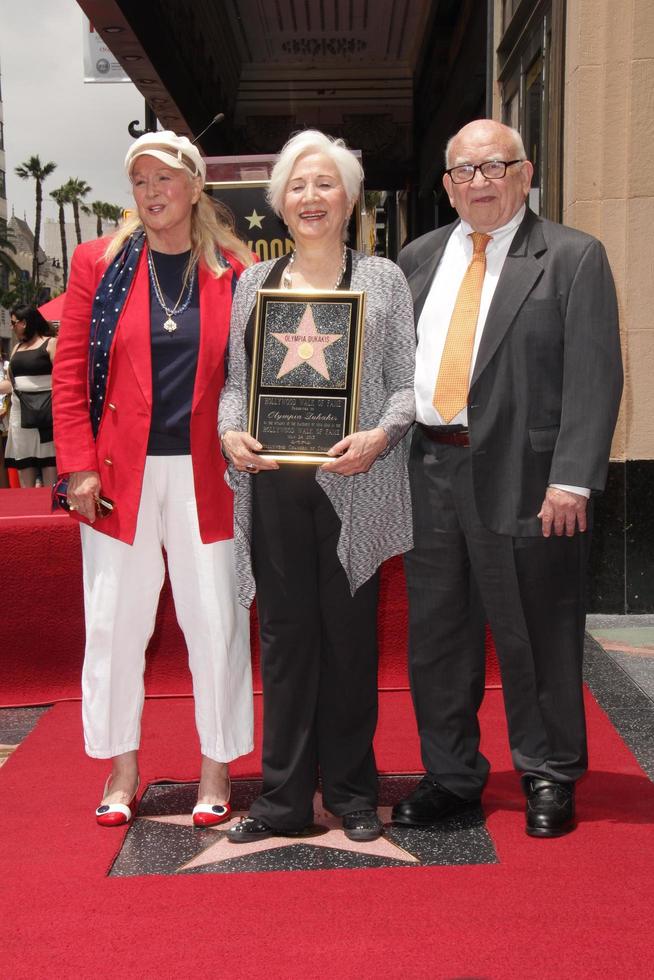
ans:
(287, 276)
(169, 324)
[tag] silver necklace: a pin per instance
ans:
(169, 325)
(287, 277)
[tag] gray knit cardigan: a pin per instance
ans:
(374, 507)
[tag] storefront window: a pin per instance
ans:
(533, 134)
(509, 7)
(511, 114)
(530, 57)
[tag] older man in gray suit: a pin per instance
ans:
(518, 384)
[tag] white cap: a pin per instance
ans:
(175, 151)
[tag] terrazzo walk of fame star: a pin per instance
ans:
(162, 840)
(306, 346)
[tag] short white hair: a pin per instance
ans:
(313, 141)
(513, 134)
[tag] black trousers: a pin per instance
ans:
(318, 656)
(532, 593)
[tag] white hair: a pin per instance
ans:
(513, 134)
(313, 141)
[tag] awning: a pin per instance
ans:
(53, 309)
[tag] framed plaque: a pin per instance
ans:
(306, 368)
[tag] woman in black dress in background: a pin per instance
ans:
(30, 451)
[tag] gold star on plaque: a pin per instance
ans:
(254, 220)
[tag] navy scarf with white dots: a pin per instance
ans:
(109, 300)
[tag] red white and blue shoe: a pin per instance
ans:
(210, 814)
(116, 814)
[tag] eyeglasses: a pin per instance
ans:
(491, 169)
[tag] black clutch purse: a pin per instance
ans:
(60, 498)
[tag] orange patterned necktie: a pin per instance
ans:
(451, 392)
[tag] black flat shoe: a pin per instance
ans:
(252, 829)
(362, 825)
(428, 804)
(550, 807)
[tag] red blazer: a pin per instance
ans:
(119, 452)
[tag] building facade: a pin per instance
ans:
(51, 278)
(577, 79)
(51, 233)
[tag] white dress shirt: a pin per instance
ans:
(437, 312)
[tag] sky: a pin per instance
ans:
(49, 111)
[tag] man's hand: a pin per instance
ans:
(563, 512)
(356, 453)
(83, 493)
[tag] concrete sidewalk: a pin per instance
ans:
(629, 641)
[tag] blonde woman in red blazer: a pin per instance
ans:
(137, 381)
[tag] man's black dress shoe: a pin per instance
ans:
(362, 825)
(251, 829)
(429, 803)
(550, 807)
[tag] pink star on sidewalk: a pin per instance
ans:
(329, 834)
(306, 346)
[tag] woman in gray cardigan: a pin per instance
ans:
(309, 539)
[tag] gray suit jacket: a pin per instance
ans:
(374, 507)
(547, 382)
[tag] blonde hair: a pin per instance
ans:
(212, 225)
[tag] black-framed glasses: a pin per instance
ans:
(491, 169)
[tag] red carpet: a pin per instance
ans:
(42, 587)
(578, 908)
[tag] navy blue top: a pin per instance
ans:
(174, 359)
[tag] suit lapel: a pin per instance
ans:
(134, 328)
(422, 277)
(215, 304)
(520, 273)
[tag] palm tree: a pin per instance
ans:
(114, 213)
(6, 244)
(99, 209)
(78, 189)
(62, 197)
(104, 212)
(20, 291)
(7, 264)
(33, 169)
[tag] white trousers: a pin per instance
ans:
(121, 593)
